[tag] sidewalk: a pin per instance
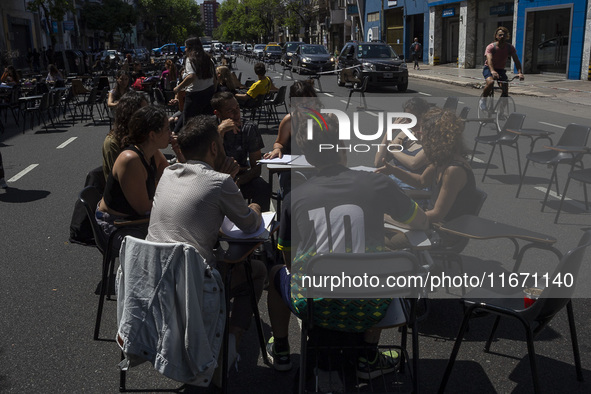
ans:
(553, 86)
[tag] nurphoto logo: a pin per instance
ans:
(386, 121)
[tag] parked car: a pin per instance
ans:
(272, 52)
(259, 50)
(111, 54)
(313, 58)
(375, 60)
(167, 49)
(142, 54)
(288, 51)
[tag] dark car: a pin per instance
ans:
(312, 58)
(288, 51)
(273, 52)
(375, 60)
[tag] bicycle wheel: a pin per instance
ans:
(505, 107)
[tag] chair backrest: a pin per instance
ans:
(159, 96)
(16, 94)
(458, 244)
(280, 96)
(363, 86)
(104, 95)
(514, 122)
(90, 197)
(555, 296)
(464, 113)
(92, 96)
(451, 104)
(44, 103)
(575, 135)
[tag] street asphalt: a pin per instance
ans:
(48, 287)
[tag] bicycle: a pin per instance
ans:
(500, 110)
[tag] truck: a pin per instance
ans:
(167, 49)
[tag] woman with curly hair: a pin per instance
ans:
(449, 175)
(113, 144)
(198, 80)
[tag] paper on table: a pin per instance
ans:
(285, 159)
(363, 168)
(230, 230)
(300, 161)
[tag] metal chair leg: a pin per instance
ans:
(488, 162)
(574, 341)
(563, 197)
(456, 348)
(492, 334)
(522, 178)
(255, 310)
(532, 358)
(550, 186)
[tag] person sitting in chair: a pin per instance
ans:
(357, 202)
(191, 201)
(243, 142)
(263, 86)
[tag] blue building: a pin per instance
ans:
(397, 23)
(549, 35)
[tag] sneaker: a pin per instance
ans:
(281, 361)
(3, 184)
(385, 362)
(482, 104)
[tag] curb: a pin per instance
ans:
(476, 85)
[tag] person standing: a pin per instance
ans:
(198, 80)
(415, 50)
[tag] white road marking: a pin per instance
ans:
(477, 160)
(372, 113)
(425, 94)
(329, 95)
(22, 173)
(566, 199)
(553, 125)
(66, 143)
(343, 101)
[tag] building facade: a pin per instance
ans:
(208, 16)
(550, 36)
(397, 23)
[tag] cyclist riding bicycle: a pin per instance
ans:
(496, 55)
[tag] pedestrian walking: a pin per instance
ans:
(416, 49)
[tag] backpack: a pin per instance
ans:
(416, 47)
(80, 227)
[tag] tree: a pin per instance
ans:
(110, 17)
(54, 10)
(249, 20)
(170, 20)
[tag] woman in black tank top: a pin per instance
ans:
(132, 182)
(449, 175)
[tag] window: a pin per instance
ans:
(373, 17)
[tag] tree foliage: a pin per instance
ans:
(109, 17)
(53, 9)
(170, 20)
(249, 20)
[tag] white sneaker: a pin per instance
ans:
(482, 104)
(3, 184)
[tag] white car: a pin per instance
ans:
(207, 48)
(259, 50)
